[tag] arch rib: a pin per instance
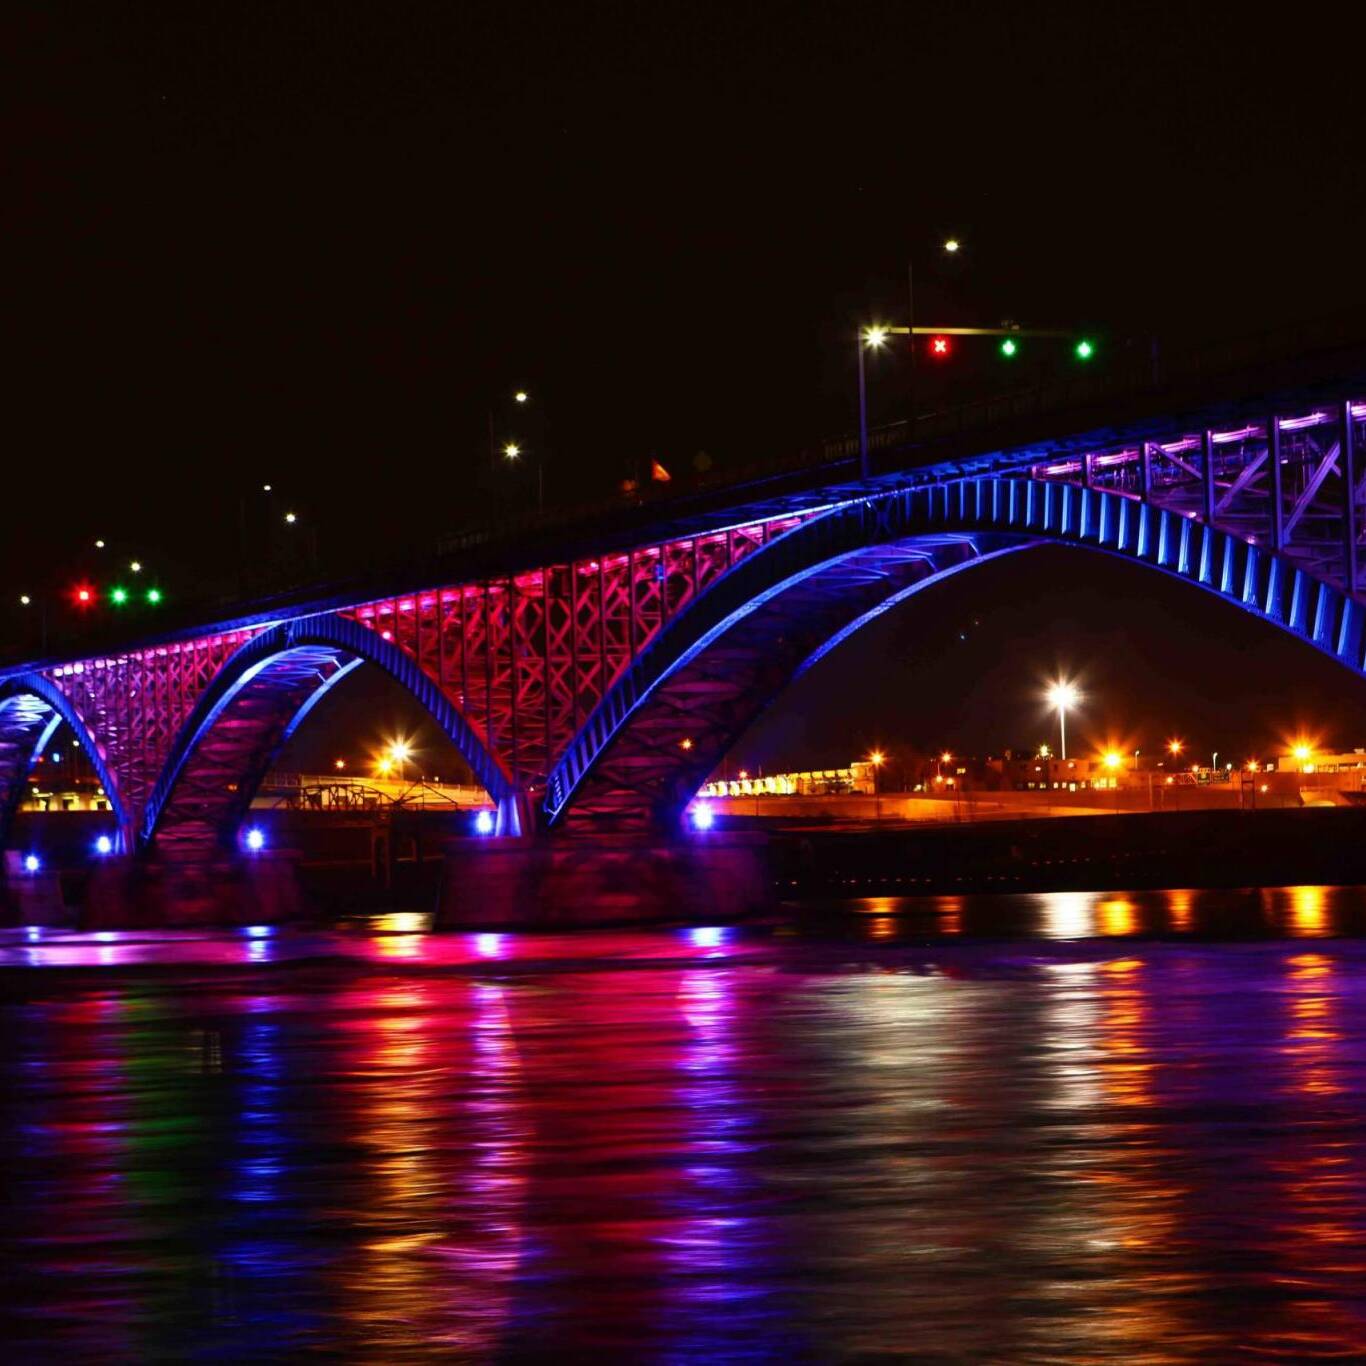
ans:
(62, 709)
(350, 644)
(989, 513)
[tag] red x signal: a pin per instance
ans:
(940, 347)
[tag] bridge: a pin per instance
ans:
(593, 675)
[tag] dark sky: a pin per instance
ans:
(316, 243)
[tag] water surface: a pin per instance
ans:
(1084, 1126)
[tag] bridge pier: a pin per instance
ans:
(207, 888)
(32, 897)
(601, 879)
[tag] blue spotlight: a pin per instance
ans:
(32, 863)
(256, 839)
(104, 845)
(483, 823)
(703, 817)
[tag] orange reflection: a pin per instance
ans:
(428, 1105)
(1180, 909)
(1308, 912)
(1317, 1166)
(1117, 916)
(950, 915)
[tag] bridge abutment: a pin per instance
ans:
(563, 881)
(206, 889)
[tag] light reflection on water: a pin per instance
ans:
(1098, 1126)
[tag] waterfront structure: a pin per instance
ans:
(593, 675)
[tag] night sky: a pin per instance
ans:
(316, 245)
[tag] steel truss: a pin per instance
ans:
(1294, 484)
(534, 665)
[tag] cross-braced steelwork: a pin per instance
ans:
(600, 688)
(1294, 484)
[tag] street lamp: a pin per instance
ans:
(399, 753)
(877, 758)
(1175, 747)
(1061, 696)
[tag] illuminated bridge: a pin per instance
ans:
(594, 674)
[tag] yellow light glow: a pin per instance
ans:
(952, 245)
(685, 743)
(339, 764)
(874, 336)
(512, 450)
(1176, 746)
(946, 757)
(520, 396)
(1302, 752)
(1111, 759)
(1044, 752)
(876, 758)
(399, 751)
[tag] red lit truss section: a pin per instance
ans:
(526, 658)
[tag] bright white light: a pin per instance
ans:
(32, 863)
(1062, 695)
(483, 823)
(99, 545)
(104, 845)
(24, 599)
(874, 336)
(520, 396)
(256, 838)
(707, 936)
(512, 450)
(265, 488)
(290, 518)
(703, 817)
(952, 245)
(136, 566)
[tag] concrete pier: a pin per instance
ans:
(599, 880)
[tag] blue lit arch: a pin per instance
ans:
(666, 723)
(31, 709)
(266, 689)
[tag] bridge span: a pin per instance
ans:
(593, 686)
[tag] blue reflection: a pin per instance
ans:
(721, 1256)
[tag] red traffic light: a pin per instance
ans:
(940, 348)
(82, 595)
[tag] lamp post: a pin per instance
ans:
(877, 758)
(1062, 695)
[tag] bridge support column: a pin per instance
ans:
(31, 898)
(214, 888)
(559, 882)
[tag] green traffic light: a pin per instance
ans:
(154, 596)
(118, 596)
(1009, 347)
(1084, 350)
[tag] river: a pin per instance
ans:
(1069, 1126)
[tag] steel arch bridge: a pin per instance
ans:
(598, 689)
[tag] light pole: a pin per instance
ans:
(877, 758)
(1062, 695)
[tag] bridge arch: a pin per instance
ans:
(256, 702)
(31, 709)
(666, 723)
